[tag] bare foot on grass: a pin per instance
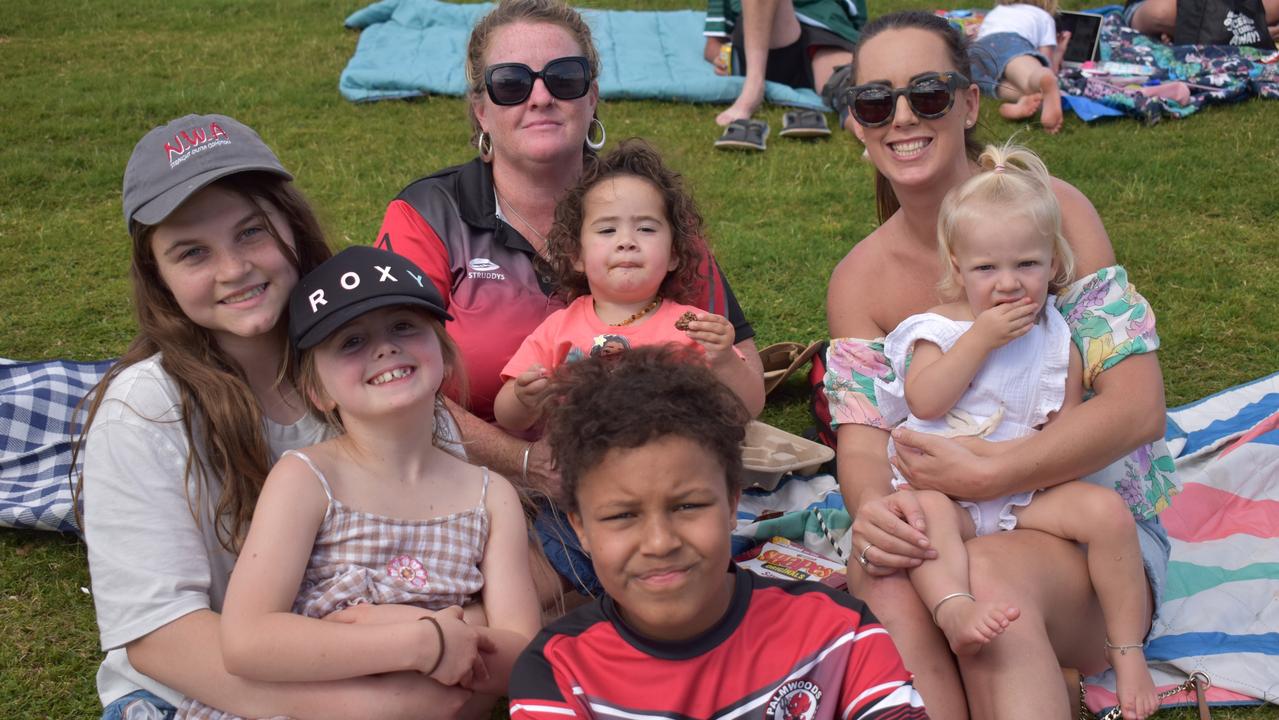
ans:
(1026, 107)
(745, 106)
(970, 624)
(1050, 113)
(1135, 689)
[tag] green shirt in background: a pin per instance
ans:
(845, 18)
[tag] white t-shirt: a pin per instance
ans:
(1028, 21)
(150, 562)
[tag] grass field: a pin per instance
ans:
(1190, 205)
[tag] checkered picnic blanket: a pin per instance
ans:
(38, 429)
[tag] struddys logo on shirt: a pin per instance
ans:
(189, 143)
(481, 268)
(795, 700)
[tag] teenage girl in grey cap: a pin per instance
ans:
(184, 428)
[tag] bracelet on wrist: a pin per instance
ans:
(528, 450)
(440, 632)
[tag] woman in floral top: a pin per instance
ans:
(1113, 439)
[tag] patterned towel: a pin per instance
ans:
(1215, 73)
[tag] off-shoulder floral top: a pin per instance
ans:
(1108, 319)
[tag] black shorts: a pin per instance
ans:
(791, 65)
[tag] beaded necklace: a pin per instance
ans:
(646, 310)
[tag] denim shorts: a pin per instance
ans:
(139, 705)
(563, 549)
(991, 54)
(1153, 540)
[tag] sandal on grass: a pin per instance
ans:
(744, 135)
(804, 124)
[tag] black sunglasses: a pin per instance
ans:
(567, 78)
(930, 96)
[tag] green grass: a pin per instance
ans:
(1190, 206)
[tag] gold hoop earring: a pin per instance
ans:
(485, 146)
(595, 144)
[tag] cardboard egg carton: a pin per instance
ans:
(768, 453)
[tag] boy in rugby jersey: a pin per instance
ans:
(649, 455)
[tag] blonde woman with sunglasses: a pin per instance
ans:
(914, 106)
(479, 232)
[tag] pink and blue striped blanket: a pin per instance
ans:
(1220, 610)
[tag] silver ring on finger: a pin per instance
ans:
(861, 557)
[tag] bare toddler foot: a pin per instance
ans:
(1135, 689)
(1050, 114)
(1025, 107)
(970, 624)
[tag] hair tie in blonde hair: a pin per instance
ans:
(999, 167)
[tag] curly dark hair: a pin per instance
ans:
(637, 158)
(649, 393)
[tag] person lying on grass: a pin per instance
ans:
(1016, 58)
(625, 249)
(184, 428)
(649, 450)
(997, 362)
(375, 514)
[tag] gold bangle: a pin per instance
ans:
(439, 631)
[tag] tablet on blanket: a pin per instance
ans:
(1085, 34)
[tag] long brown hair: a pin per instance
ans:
(886, 202)
(635, 158)
(212, 387)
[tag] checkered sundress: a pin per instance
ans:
(360, 557)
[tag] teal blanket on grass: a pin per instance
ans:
(410, 48)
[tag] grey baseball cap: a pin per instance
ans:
(174, 161)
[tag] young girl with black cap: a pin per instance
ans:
(376, 515)
(185, 426)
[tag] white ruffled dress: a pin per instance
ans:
(1026, 378)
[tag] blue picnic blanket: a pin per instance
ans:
(410, 48)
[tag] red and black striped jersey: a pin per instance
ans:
(785, 650)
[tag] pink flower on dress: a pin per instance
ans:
(847, 356)
(408, 569)
(1144, 327)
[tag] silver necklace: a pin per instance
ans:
(517, 214)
